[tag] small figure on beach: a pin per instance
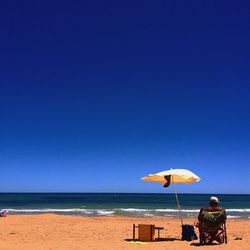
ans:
(3, 213)
(212, 223)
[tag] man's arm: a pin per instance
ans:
(200, 216)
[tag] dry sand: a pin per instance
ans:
(49, 231)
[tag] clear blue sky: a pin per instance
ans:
(96, 94)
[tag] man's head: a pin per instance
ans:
(214, 201)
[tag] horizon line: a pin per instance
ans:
(41, 192)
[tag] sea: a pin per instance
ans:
(121, 204)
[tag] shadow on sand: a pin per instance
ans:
(197, 244)
(157, 239)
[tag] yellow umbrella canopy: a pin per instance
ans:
(176, 176)
(173, 176)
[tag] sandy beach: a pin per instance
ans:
(49, 231)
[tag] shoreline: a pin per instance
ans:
(51, 231)
(241, 214)
(164, 217)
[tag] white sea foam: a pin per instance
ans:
(104, 212)
(176, 210)
(148, 215)
(87, 212)
(243, 210)
(232, 212)
(232, 216)
(134, 210)
(45, 210)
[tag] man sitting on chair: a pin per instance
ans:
(212, 223)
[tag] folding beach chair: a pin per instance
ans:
(212, 227)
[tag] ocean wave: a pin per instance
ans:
(242, 210)
(134, 212)
(170, 210)
(45, 210)
(176, 210)
(104, 212)
(158, 210)
(133, 209)
(233, 216)
(71, 211)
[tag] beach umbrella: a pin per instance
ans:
(173, 176)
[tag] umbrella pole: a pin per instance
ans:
(178, 204)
